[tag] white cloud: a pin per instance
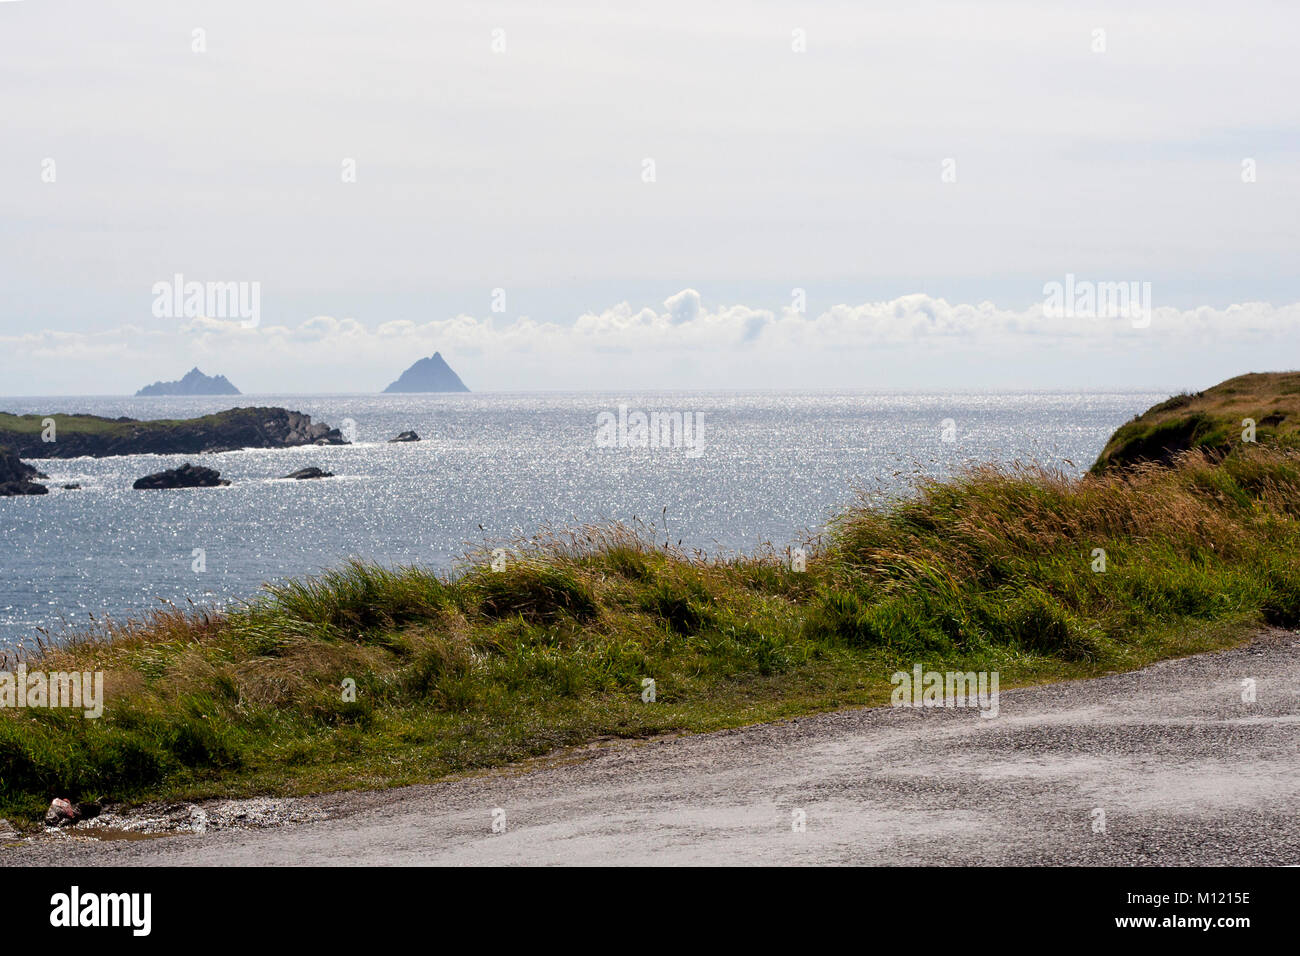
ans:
(684, 306)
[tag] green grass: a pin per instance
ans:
(96, 425)
(991, 571)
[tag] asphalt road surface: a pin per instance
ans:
(1183, 770)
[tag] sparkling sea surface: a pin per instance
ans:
(773, 465)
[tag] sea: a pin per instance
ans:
(760, 468)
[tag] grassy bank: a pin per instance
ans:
(993, 571)
(1213, 421)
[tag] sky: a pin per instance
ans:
(618, 195)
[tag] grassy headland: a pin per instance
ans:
(995, 570)
(1212, 420)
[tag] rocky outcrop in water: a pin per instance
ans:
(304, 473)
(16, 477)
(193, 383)
(405, 436)
(186, 476)
(76, 435)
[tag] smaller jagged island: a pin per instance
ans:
(193, 382)
(431, 374)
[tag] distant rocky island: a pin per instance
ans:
(72, 436)
(193, 383)
(428, 375)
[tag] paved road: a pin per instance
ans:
(1185, 772)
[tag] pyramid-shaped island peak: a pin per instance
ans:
(428, 375)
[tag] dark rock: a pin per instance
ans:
(99, 437)
(186, 476)
(302, 473)
(16, 477)
(12, 489)
(428, 375)
(405, 436)
(61, 813)
(72, 487)
(194, 383)
(13, 469)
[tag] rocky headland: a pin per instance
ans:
(74, 436)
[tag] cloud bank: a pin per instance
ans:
(911, 341)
